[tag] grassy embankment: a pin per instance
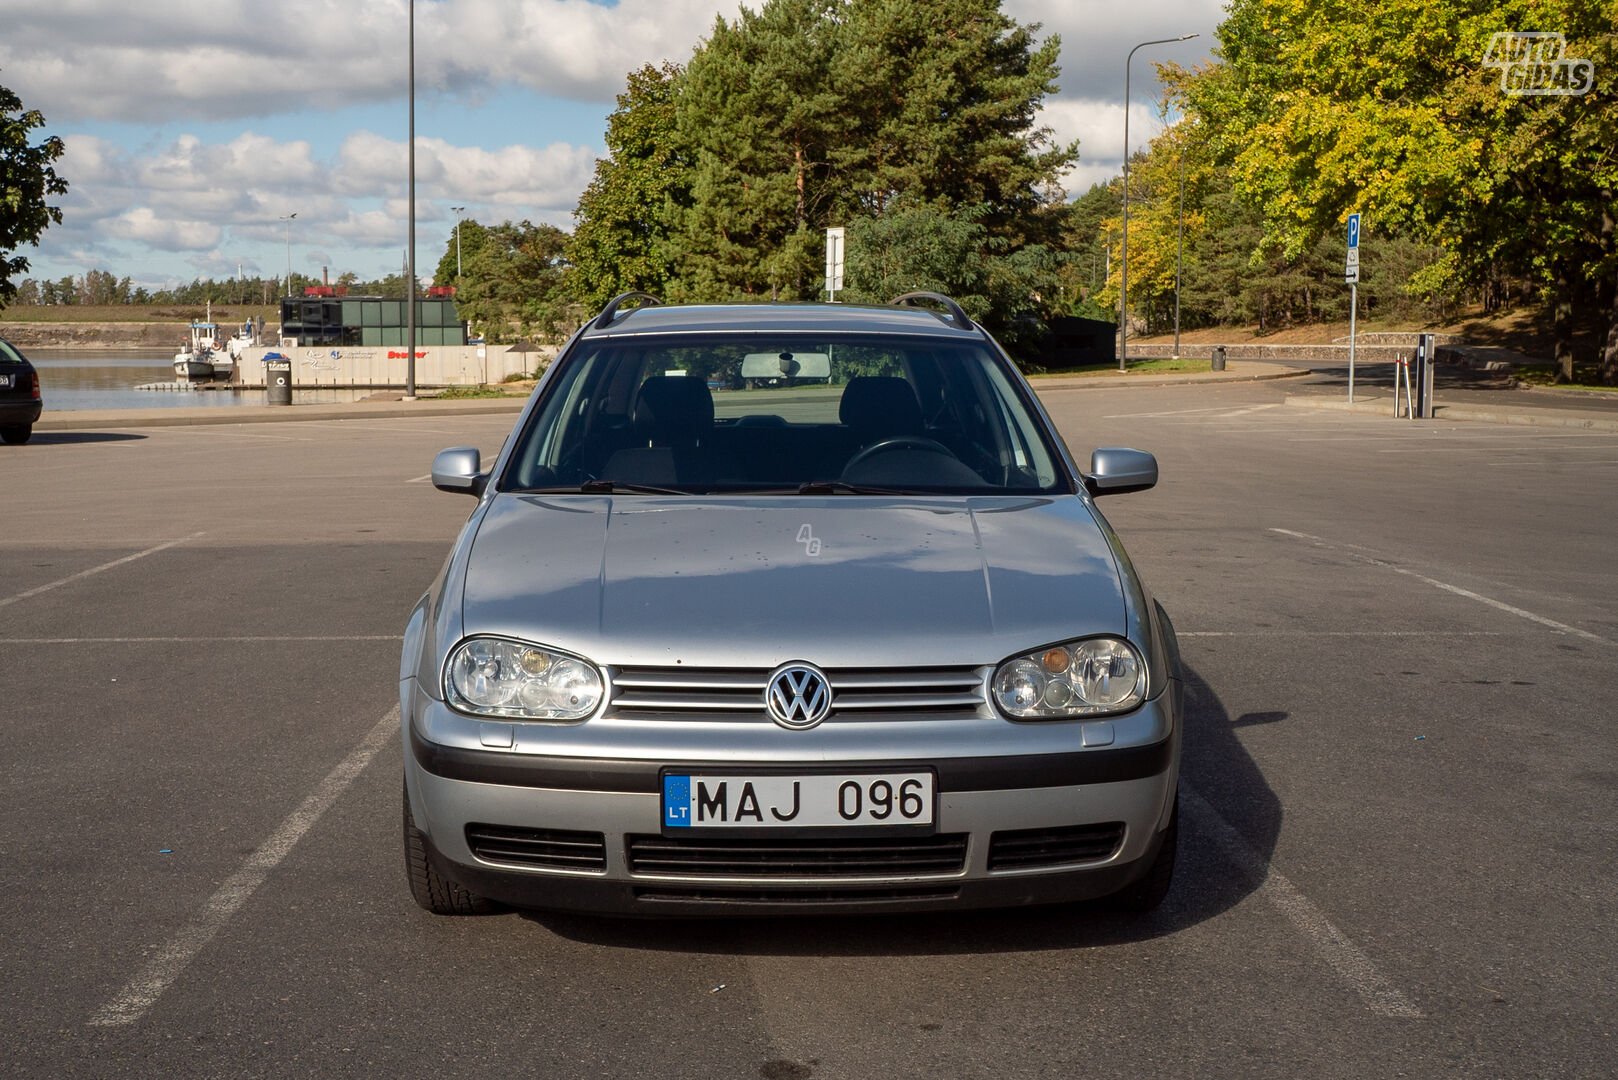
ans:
(181, 314)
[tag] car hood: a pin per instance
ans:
(838, 581)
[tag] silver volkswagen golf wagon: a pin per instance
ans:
(787, 607)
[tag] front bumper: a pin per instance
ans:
(1031, 777)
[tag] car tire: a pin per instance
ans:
(432, 890)
(1147, 894)
(16, 434)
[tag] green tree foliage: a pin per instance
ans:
(922, 247)
(473, 237)
(620, 241)
(1388, 109)
(512, 280)
(758, 112)
(27, 180)
(812, 113)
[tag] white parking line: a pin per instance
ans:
(96, 570)
(1496, 449)
(142, 992)
(1334, 946)
(419, 479)
(1553, 464)
(1498, 605)
(1323, 633)
(194, 640)
(1173, 412)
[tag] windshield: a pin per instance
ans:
(787, 414)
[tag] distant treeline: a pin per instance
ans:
(102, 288)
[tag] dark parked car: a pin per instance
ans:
(19, 395)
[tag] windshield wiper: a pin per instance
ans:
(604, 487)
(838, 487)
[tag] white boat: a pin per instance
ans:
(204, 357)
(196, 359)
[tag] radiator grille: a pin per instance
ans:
(739, 692)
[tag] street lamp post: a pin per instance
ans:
(459, 210)
(1123, 291)
(410, 250)
(1179, 254)
(287, 231)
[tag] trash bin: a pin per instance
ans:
(278, 381)
(1219, 358)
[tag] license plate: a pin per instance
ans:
(765, 801)
(5, 381)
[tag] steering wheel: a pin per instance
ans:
(898, 442)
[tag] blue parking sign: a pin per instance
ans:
(1353, 231)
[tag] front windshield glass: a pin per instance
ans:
(784, 414)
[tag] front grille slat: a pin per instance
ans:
(552, 849)
(792, 858)
(670, 692)
(1025, 849)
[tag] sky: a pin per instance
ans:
(196, 128)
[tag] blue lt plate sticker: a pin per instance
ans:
(677, 802)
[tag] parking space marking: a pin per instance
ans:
(1497, 449)
(419, 479)
(1553, 464)
(258, 639)
(142, 992)
(1334, 946)
(1499, 605)
(203, 430)
(82, 574)
(1323, 633)
(1174, 412)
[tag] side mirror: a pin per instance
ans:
(456, 470)
(1115, 470)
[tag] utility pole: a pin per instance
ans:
(287, 229)
(1123, 290)
(459, 210)
(410, 252)
(1179, 255)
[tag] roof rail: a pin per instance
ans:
(957, 315)
(610, 312)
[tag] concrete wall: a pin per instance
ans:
(383, 366)
(1333, 353)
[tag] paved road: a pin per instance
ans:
(1399, 831)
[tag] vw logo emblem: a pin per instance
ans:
(798, 696)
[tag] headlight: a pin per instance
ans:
(496, 677)
(1093, 677)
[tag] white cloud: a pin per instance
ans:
(224, 203)
(166, 234)
(221, 59)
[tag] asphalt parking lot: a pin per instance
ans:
(1398, 846)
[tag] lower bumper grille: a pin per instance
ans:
(1026, 848)
(720, 897)
(797, 858)
(548, 849)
